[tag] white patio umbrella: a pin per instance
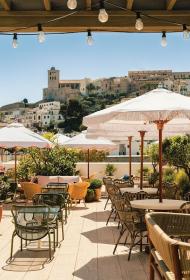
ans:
(60, 139)
(80, 141)
(17, 136)
(158, 106)
(120, 130)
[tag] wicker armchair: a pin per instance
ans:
(169, 191)
(78, 191)
(131, 222)
(30, 189)
(107, 182)
(141, 195)
(113, 193)
(169, 257)
(33, 223)
(52, 199)
(187, 196)
(185, 207)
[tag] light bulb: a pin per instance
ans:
(15, 42)
(72, 4)
(90, 40)
(103, 15)
(164, 40)
(41, 34)
(186, 34)
(139, 23)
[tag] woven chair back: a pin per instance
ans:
(30, 189)
(78, 191)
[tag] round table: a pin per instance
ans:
(135, 190)
(154, 204)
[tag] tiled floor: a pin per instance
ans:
(86, 252)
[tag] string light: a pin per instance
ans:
(103, 15)
(164, 40)
(15, 42)
(139, 23)
(41, 34)
(72, 4)
(90, 40)
(185, 32)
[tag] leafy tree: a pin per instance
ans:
(152, 152)
(176, 151)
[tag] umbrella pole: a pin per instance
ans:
(130, 140)
(15, 153)
(160, 126)
(142, 134)
(88, 166)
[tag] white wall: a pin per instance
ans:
(98, 168)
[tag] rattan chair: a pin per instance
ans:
(108, 181)
(141, 195)
(52, 199)
(113, 192)
(131, 222)
(185, 207)
(120, 183)
(30, 189)
(78, 191)
(169, 190)
(33, 223)
(187, 196)
(169, 257)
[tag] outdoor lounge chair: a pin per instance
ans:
(33, 223)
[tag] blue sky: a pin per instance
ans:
(23, 71)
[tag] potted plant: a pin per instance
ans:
(90, 195)
(110, 169)
(96, 185)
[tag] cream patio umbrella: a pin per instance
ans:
(60, 139)
(17, 136)
(120, 130)
(80, 141)
(158, 106)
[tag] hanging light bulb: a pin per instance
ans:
(164, 41)
(103, 15)
(185, 32)
(90, 40)
(72, 4)
(139, 23)
(15, 42)
(41, 34)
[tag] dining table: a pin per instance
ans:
(155, 204)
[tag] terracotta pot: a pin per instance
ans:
(98, 193)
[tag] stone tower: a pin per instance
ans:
(53, 78)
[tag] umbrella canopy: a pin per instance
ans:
(16, 135)
(119, 130)
(157, 106)
(60, 139)
(80, 141)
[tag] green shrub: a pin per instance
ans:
(95, 184)
(94, 156)
(182, 181)
(57, 161)
(153, 178)
(110, 169)
(169, 175)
